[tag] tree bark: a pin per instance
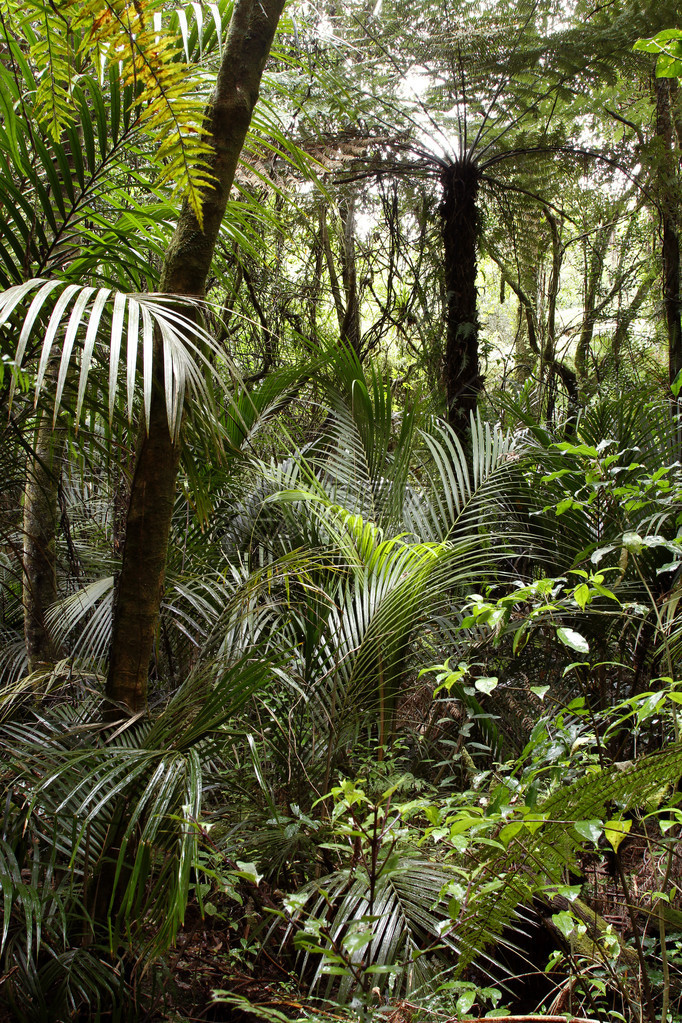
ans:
(669, 185)
(346, 304)
(185, 271)
(459, 222)
(41, 495)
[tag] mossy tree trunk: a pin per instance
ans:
(345, 290)
(185, 271)
(669, 176)
(41, 496)
(459, 223)
(593, 273)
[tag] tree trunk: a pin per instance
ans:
(41, 497)
(185, 271)
(350, 327)
(669, 185)
(526, 346)
(39, 532)
(523, 356)
(625, 319)
(346, 302)
(594, 270)
(459, 220)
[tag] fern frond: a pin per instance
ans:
(536, 859)
(147, 53)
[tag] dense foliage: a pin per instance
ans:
(340, 529)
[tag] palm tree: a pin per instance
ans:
(184, 271)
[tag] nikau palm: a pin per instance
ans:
(186, 267)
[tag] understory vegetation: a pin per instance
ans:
(340, 557)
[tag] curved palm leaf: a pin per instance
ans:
(120, 811)
(459, 491)
(135, 320)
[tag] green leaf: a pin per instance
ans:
(533, 823)
(509, 831)
(357, 940)
(591, 830)
(465, 1001)
(463, 822)
(577, 449)
(573, 640)
(668, 46)
(295, 902)
(248, 871)
(615, 832)
(487, 684)
(247, 1008)
(564, 923)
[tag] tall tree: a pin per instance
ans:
(185, 272)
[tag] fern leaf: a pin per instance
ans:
(134, 42)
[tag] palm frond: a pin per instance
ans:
(458, 489)
(79, 310)
(123, 809)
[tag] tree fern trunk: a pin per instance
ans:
(185, 271)
(459, 222)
